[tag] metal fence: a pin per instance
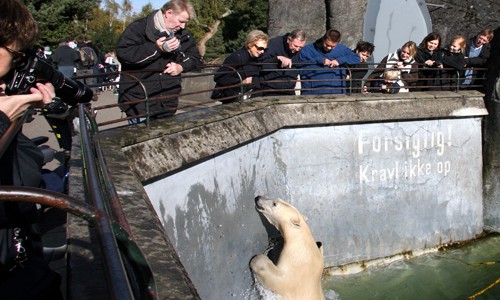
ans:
(196, 94)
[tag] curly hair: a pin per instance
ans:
(17, 25)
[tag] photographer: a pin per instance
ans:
(159, 48)
(23, 274)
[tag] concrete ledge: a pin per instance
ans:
(172, 143)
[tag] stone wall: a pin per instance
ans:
(466, 17)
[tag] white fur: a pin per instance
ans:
(298, 272)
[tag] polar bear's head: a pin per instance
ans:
(279, 213)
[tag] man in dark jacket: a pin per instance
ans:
(278, 75)
(65, 58)
(477, 53)
(153, 52)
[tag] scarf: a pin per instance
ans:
(159, 21)
(393, 58)
(156, 25)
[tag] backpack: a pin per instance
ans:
(87, 57)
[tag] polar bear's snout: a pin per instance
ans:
(262, 203)
(258, 202)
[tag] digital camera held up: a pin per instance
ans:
(34, 69)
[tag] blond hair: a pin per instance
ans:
(460, 39)
(391, 74)
(254, 36)
(412, 47)
(178, 6)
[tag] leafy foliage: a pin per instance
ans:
(103, 25)
(61, 18)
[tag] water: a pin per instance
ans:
(450, 274)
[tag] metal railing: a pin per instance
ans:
(343, 83)
(128, 275)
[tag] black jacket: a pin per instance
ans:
(286, 78)
(481, 59)
(142, 61)
(20, 165)
(242, 62)
(64, 55)
(426, 74)
(453, 66)
(478, 61)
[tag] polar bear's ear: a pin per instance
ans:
(320, 247)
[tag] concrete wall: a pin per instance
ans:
(369, 191)
(376, 175)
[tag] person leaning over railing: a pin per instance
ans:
(426, 57)
(158, 41)
(401, 60)
(23, 272)
(240, 67)
(321, 65)
(364, 50)
(477, 52)
(278, 75)
(451, 63)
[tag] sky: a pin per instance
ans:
(138, 4)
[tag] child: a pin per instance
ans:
(390, 85)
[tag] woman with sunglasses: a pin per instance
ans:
(240, 68)
(24, 274)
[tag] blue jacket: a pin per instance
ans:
(317, 77)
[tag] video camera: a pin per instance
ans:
(34, 69)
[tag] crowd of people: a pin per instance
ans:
(155, 50)
(329, 67)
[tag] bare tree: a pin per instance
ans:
(211, 30)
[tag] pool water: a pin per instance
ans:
(450, 274)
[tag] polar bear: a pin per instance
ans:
(297, 274)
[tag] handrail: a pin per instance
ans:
(48, 198)
(205, 72)
(121, 287)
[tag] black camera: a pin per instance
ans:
(168, 35)
(34, 69)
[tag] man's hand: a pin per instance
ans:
(331, 63)
(285, 62)
(173, 69)
(168, 46)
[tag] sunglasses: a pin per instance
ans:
(260, 48)
(17, 56)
